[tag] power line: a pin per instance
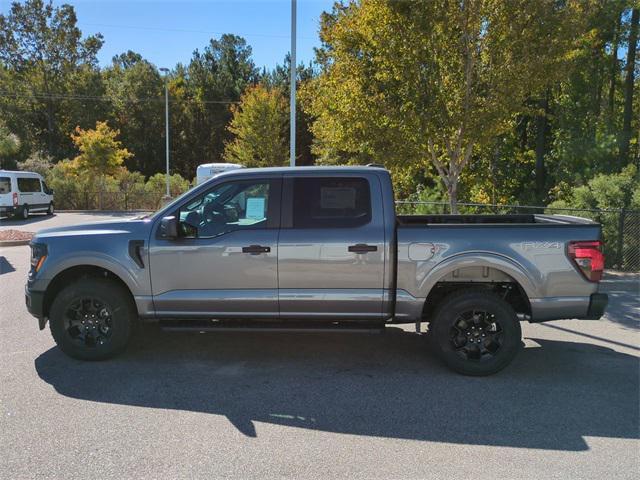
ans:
(44, 96)
(184, 30)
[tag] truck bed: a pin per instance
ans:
(493, 219)
(526, 249)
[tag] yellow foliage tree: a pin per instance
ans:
(415, 82)
(101, 153)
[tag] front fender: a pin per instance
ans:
(135, 278)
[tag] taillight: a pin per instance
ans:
(15, 199)
(589, 258)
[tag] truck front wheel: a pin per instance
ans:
(476, 332)
(91, 319)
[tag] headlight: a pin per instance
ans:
(38, 256)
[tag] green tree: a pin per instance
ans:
(259, 125)
(9, 143)
(279, 77)
(416, 81)
(136, 93)
(200, 95)
(46, 71)
(629, 85)
(585, 112)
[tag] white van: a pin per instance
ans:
(22, 193)
(207, 170)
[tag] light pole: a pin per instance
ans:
(292, 80)
(166, 121)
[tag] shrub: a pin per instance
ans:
(38, 162)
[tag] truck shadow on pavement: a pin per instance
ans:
(33, 218)
(552, 397)
(5, 266)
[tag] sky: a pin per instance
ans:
(167, 32)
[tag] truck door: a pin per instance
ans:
(224, 263)
(331, 247)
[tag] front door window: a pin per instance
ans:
(226, 208)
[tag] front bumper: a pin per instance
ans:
(597, 305)
(35, 305)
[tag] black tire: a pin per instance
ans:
(476, 332)
(51, 209)
(97, 335)
(24, 212)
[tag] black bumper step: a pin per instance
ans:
(269, 326)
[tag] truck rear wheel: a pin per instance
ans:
(476, 332)
(92, 318)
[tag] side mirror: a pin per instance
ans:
(169, 227)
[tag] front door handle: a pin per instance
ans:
(362, 248)
(256, 249)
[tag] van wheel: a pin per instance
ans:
(50, 210)
(92, 318)
(24, 213)
(476, 332)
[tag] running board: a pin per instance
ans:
(268, 326)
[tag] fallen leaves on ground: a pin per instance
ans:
(15, 235)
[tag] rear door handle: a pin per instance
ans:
(256, 249)
(362, 248)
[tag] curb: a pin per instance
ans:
(98, 212)
(13, 243)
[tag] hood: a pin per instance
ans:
(109, 227)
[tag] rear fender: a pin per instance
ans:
(490, 260)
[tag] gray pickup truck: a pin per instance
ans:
(320, 249)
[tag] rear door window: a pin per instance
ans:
(28, 185)
(5, 185)
(332, 202)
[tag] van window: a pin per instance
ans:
(28, 185)
(5, 185)
(331, 202)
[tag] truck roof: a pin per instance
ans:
(316, 168)
(18, 172)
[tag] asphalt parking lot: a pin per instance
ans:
(260, 405)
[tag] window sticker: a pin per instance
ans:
(255, 208)
(338, 197)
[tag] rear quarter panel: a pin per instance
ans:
(533, 254)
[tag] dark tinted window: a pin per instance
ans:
(26, 185)
(46, 189)
(331, 202)
(5, 185)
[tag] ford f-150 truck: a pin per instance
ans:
(318, 248)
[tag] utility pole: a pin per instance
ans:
(166, 121)
(292, 101)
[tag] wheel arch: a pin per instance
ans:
(483, 272)
(71, 274)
